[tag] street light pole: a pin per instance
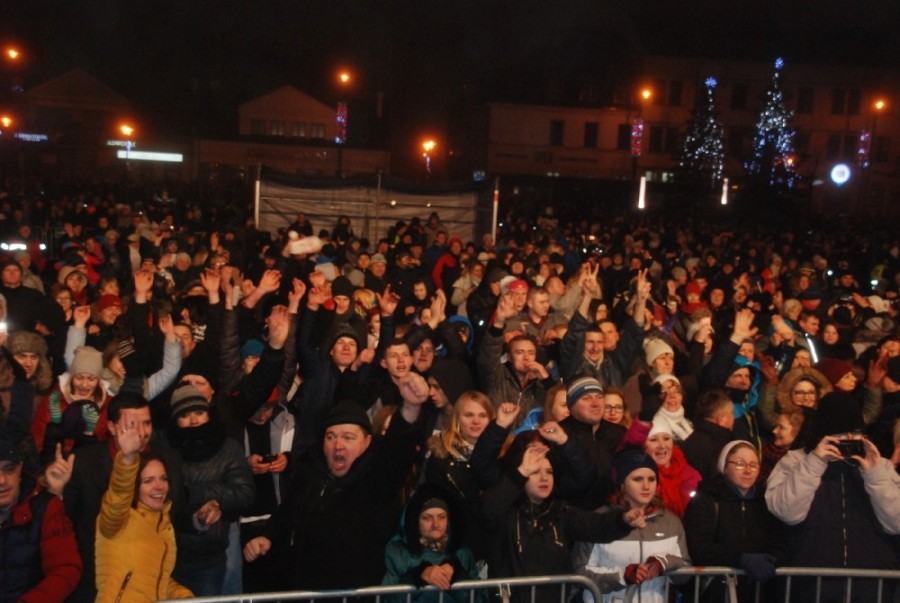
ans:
(427, 147)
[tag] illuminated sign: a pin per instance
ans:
(121, 143)
(27, 137)
(150, 156)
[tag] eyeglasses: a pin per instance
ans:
(806, 393)
(615, 408)
(741, 465)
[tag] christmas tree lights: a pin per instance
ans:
(773, 148)
(703, 154)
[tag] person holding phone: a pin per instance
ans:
(845, 508)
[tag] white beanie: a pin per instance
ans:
(723, 456)
(656, 347)
(666, 377)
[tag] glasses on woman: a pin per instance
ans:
(615, 408)
(743, 465)
(804, 393)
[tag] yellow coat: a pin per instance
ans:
(135, 548)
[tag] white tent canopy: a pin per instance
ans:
(372, 208)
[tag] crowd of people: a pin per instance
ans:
(192, 407)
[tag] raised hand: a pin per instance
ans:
(128, 435)
(279, 322)
(59, 472)
(298, 290)
(413, 389)
(531, 460)
(588, 279)
(506, 414)
(506, 309)
(642, 289)
(270, 281)
(743, 326)
(552, 432)
(211, 280)
(143, 281)
(387, 301)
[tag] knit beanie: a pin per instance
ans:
(87, 361)
(723, 455)
(834, 369)
(186, 398)
(348, 412)
(654, 348)
(661, 379)
(581, 386)
(253, 347)
(632, 460)
(26, 342)
(108, 300)
(342, 286)
(435, 503)
(344, 330)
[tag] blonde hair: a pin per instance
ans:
(450, 442)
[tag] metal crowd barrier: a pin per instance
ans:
(786, 576)
(376, 593)
(688, 593)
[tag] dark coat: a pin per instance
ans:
(702, 447)
(331, 532)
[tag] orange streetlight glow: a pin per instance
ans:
(12, 53)
(126, 130)
(428, 146)
(6, 121)
(879, 104)
(344, 77)
(646, 94)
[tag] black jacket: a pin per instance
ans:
(702, 447)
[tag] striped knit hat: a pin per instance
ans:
(581, 386)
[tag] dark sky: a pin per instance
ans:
(191, 62)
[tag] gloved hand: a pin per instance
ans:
(760, 567)
(651, 398)
(631, 573)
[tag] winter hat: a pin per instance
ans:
(631, 460)
(837, 412)
(518, 285)
(659, 427)
(253, 347)
(654, 348)
(108, 301)
(581, 386)
(723, 455)
(344, 330)
(342, 286)
(8, 449)
(377, 258)
(186, 398)
(326, 266)
(64, 273)
(87, 361)
(661, 379)
(435, 503)
(348, 412)
(679, 273)
(834, 369)
(26, 342)
(125, 349)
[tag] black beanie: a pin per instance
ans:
(342, 286)
(348, 412)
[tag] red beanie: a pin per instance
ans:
(834, 369)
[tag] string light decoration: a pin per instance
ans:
(773, 147)
(703, 154)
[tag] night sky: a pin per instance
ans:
(188, 64)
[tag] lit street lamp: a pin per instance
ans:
(427, 147)
(127, 131)
(637, 130)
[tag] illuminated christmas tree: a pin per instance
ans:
(773, 148)
(703, 153)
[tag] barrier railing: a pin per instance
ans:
(490, 586)
(533, 583)
(787, 574)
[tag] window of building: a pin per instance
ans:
(257, 127)
(672, 142)
(623, 137)
(833, 146)
(854, 102)
(557, 128)
(676, 88)
(837, 101)
(298, 129)
(317, 130)
(739, 97)
(881, 146)
(276, 128)
(659, 92)
(805, 100)
(657, 135)
(591, 130)
(851, 147)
